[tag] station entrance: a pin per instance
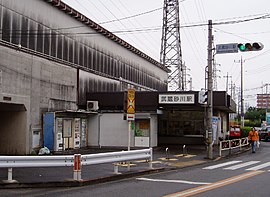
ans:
(13, 121)
(181, 127)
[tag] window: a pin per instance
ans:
(24, 30)
(32, 35)
(6, 29)
(142, 128)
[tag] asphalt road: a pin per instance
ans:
(243, 175)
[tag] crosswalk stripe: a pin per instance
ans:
(259, 166)
(241, 165)
(221, 165)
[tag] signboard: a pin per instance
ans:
(226, 48)
(176, 99)
(215, 122)
(131, 101)
(130, 116)
(267, 118)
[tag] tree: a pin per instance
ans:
(255, 115)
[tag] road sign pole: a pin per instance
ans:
(130, 115)
(129, 131)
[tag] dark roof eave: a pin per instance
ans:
(225, 109)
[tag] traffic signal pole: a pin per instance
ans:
(242, 97)
(209, 131)
(231, 48)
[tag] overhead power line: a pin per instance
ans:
(267, 16)
(128, 17)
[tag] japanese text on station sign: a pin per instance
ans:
(176, 99)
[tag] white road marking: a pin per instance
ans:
(221, 165)
(260, 166)
(204, 188)
(173, 181)
(241, 165)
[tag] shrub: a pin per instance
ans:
(245, 131)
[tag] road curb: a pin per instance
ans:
(72, 183)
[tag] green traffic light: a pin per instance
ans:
(241, 47)
(256, 46)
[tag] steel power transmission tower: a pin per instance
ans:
(171, 54)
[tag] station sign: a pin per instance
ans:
(176, 99)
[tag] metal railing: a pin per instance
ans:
(76, 161)
(232, 144)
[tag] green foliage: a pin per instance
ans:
(254, 117)
(255, 114)
(251, 123)
(245, 131)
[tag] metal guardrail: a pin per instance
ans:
(36, 161)
(76, 161)
(232, 144)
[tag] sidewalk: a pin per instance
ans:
(174, 157)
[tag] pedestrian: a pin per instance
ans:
(253, 136)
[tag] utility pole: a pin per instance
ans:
(232, 89)
(242, 93)
(210, 93)
(266, 107)
(227, 82)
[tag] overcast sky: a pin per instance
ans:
(145, 34)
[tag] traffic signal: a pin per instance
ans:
(256, 46)
(202, 97)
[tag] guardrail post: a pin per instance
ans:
(77, 174)
(230, 146)
(184, 150)
(75, 168)
(115, 168)
(79, 167)
(220, 147)
(151, 159)
(9, 174)
(167, 153)
(240, 144)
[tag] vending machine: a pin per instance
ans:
(59, 134)
(77, 133)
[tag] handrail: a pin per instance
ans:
(232, 144)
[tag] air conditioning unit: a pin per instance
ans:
(92, 105)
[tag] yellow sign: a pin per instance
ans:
(131, 101)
